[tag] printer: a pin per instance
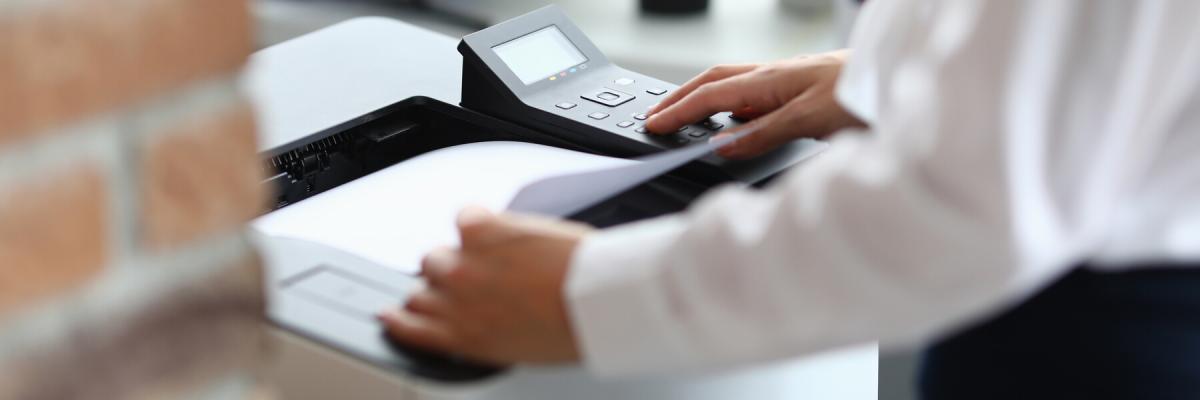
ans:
(536, 78)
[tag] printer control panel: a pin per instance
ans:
(540, 69)
(619, 106)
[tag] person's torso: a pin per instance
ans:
(1122, 158)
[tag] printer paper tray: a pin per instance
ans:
(324, 295)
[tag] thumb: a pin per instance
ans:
(475, 225)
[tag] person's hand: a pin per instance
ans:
(499, 298)
(786, 100)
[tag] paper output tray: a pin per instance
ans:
(418, 125)
(302, 275)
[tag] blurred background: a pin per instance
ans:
(670, 46)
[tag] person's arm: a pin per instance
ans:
(939, 213)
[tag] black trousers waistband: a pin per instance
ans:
(1090, 335)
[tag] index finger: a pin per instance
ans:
(713, 74)
(733, 94)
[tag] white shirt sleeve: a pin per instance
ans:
(971, 191)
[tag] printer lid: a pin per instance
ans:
(304, 86)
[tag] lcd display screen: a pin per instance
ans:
(539, 55)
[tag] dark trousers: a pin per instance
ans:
(1091, 335)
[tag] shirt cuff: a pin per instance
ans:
(621, 320)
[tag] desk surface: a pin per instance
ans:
(319, 80)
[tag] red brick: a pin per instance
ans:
(206, 328)
(53, 234)
(202, 176)
(65, 60)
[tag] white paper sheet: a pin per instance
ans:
(570, 192)
(396, 215)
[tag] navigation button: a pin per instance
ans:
(609, 97)
(597, 115)
(713, 125)
(697, 134)
(624, 81)
(565, 105)
(656, 91)
(625, 124)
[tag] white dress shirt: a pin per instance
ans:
(1010, 140)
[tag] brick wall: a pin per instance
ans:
(127, 167)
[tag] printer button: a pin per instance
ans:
(713, 125)
(697, 134)
(640, 129)
(625, 124)
(624, 81)
(639, 116)
(597, 115)
(565, 105)
(656, 91)
(608, 97)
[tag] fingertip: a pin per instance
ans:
(474, 215)
(438, 263)
(652, 123)
(745, 115)
(397, 322)
(388, 316)
(443, 257)
(414, 329)
(473, 221)
(397, 326)
(653, 109)
(421, 303)
(658, 123)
